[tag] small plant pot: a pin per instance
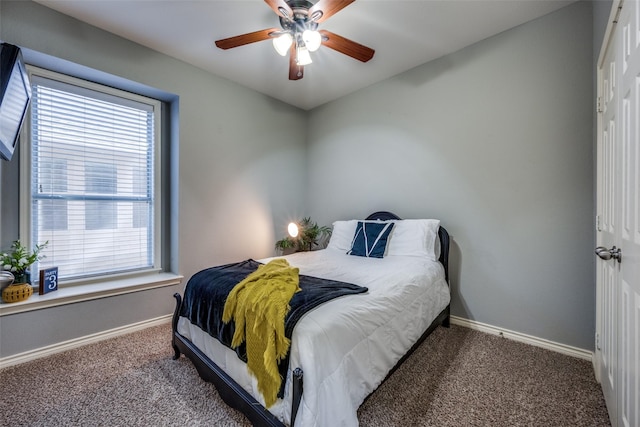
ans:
(23, 277)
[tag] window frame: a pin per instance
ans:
(26, 214)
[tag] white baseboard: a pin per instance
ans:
(79, 342)
(527, 339)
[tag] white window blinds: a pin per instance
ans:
(92, 178)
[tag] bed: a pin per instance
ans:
(342, 350)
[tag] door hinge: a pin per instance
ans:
(597, 341)
(598, 223)
(599, 105)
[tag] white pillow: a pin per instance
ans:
(342, 235)
(409, 237)
(415, 237)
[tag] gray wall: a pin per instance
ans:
(496, 141)
(601, 12)
(241, 168)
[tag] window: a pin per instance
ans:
(93, 182)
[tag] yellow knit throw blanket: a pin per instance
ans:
(258, 306)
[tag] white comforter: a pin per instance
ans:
(346, 346)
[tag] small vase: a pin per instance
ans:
(23, 277)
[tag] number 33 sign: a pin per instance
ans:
(48, 280)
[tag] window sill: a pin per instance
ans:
(73, 294)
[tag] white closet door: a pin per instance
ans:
(606, 271)
(629, 170)
(618, 178)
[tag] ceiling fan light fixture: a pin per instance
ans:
(299, 35)
(312, 39)
(302, 56)
(282, 44)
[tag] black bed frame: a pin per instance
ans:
(237, 397)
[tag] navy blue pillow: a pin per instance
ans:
(370, 239)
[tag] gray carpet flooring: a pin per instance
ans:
(457, 377)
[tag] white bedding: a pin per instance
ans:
(346, 346)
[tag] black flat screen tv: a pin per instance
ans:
(15, 95)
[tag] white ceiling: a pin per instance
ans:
(404, 34)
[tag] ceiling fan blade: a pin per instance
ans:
(243, 39)
(277, 4)
(346, 46)
(296, 72)
(329, 8)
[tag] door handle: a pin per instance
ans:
(607, 254)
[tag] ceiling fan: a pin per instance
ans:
(299, 34)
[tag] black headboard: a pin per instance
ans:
(442, 234)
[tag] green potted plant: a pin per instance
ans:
(19, 259)
(308, 235)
